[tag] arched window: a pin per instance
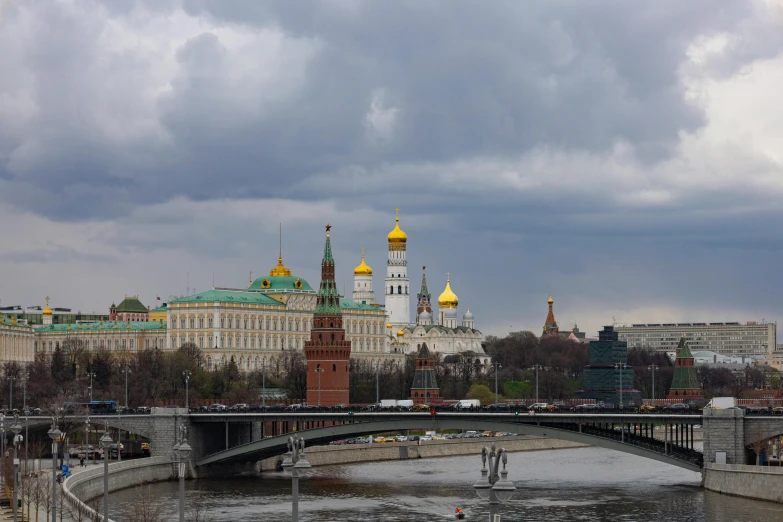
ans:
(334, 367)
(399, 289)
(222, 322)
(391, 289)
(210, 321)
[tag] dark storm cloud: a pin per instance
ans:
(466, 79)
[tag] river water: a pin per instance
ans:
(564, 485)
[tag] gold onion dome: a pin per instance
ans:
(400, 333)
(280, 269)
(550, 300)
(47, 310)
(448, 299)
(397, 235)
(388, 325)
(364, 268)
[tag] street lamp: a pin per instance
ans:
(537, 367)
(91, 375)
(295, 462)
(181, 451)
(54, 434)
(319, 371)
(106, 444)
(620, 367)
(498, 367)
(653, 368)
(263, 383)
(494, 484)
(186, 374)
(377, 387)
(2, 442)
(17, 429)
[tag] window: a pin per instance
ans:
(290, 325)
(222, 341)
(201, 322)
(267, 323)
(209, 322)
(222, 322)
(229, 341)
(230, 321)
(252, 343)
(334, 367)
(192, 323)
(244, 342)
(274, 324)
(173, 322)
(201, 342)
(182, 323)
(391, 289)
(274, 343)
(267, 342)
(297, 325)
(399, 289)
(253, 324)
(245, 323)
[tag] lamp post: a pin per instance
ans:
(181, 451)
(91, 375)
(11, 379)
(536, 367)
(54, 434)
(106, 444)
(126, 370)
(186, 375)
(620, 367)
(377, 387)
(494, 484)
(319, 371)
(653, 368)
(2, 443)
(498, 367)
(295, 462)
(17, 429)
(263, 383)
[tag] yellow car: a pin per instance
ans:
(646, 408)
(421, 407)
(486, 433)
(379, 440)
(499, 434)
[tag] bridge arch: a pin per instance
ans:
(274, 446)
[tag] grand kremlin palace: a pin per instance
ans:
(259, 324)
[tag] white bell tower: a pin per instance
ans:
(397, 287)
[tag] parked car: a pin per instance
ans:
(379, 440)
(238, 408)
(421, 407)
(585, 407)
(400, 438)
(425, 438)
(414, 438)
(676, 406)
(217, 408)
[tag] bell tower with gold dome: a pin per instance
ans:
(362, 283)
(398, 306)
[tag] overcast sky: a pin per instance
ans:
(625, 156)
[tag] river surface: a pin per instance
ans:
(562, 485)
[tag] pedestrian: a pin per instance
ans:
(81, 461)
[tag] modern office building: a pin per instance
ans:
(608, 378)
(750, 338)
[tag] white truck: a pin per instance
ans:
(402, 404)
(466, 404)
(722, 403)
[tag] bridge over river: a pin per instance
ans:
(221, 440)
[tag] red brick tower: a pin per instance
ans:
(327, 351)
(425, 387)
(550, 325)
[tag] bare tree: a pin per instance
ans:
(46, 497)
(759, 444)
(146, 508)
(197, 508)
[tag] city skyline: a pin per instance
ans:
(636, 179)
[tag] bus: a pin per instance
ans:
(93, 407)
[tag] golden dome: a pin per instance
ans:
(550, 300)
(397, 235)
(364, 268)
(388, 325)
(400, 333)
(47, 310)
(280, 269)
(448, 299)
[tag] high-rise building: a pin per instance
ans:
(328, 351)
(397, 295)
(749, 338)
(606, 375)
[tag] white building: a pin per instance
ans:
(362, 283)
(740, 339)
(398, 306)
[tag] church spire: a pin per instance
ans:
(550, 325)
(328, 297)
(423, 297)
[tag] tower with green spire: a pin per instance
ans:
(425, 389)
(685, 383)
(327, 351)
(423, 303)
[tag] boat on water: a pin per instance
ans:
(459, 514)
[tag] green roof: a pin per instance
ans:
(684, 351)
(229, 296)
(7, 321)
(439, 328)
(133, 305)
(103, 325)
(350, 304)
(162, 308)
(281, 284)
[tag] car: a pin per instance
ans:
(471, 435)
(585, 407)
(414, 438)
(379, 440)
(777, 410)
(145, 448)
(676, 406)
(238, 408)
(539, 406)
(217, 408)
(499, 434)
(143, 409)
(421, 407)
(486, 433)
(646, 408)
(425, 438)
(498, 406)
(401, 438)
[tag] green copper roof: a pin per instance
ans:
(328, 297)
(281, 284)
(685, 377)
(350, 304)
(161, 308)
(7, 321)
(684, 351)
(229, 296)
(424, 377)
(132, 305)
(103, 326)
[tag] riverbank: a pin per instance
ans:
(740, 480)
(355, 453)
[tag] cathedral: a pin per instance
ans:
(443, 334)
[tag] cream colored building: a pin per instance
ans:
(16, 342)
